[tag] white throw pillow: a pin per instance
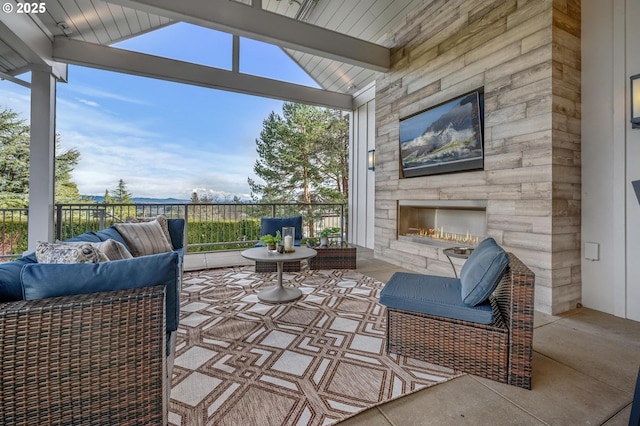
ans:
(68, 253)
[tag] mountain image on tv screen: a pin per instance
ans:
(448, 133)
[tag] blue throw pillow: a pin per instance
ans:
(482, 272)
(176, 230)
(41, 280)
(270, 225)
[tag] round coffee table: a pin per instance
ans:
(279, 293)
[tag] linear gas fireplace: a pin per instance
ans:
(442, 223)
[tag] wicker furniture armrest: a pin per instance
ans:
(87, 359)
(515, 297)
(501, 351)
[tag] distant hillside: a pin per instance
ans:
(144, 200)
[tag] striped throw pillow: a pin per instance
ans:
(162, 220)
(144, 238)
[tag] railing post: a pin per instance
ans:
(185, 237)
(102, 217)
(58, 221)
(343, 235)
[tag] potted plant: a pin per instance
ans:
(271, 240)
(324, 235)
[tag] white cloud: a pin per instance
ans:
(103, 94)
(114, 146)
(153, 168)
(89, 103)
(17, 99)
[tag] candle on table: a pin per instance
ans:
(288, 243)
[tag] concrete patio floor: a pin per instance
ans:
(585, 365)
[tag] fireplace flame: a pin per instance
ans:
(442, 235)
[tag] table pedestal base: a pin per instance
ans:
(279, 294)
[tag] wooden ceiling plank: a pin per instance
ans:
(107, 20)
(121, 20)
(327, 14)
(132, 20)
(77, 21)
(350, 18)
(143, 18)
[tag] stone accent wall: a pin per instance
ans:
(526, 56)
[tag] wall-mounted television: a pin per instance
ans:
(443, 139)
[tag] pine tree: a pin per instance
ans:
(120, 194)
(107, 199)
(302, 156)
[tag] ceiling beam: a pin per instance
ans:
(124, 61)
(13, 79)
(256, 23)
(30, 41)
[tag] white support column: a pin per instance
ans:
(42, 157)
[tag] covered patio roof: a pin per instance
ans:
(335, 42)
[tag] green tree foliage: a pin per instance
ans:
(302, 156)
(14, 160)
(14, 165)
(120, 194)
(66, 190)
(107, 199)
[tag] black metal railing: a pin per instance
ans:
(219, 226)
(14, 224)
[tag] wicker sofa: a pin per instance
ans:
(103, 357)
(500, 350)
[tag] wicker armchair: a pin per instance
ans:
(500, 351)
(95, 358)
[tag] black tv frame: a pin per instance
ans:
(450, 166)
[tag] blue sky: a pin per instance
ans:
(165, 139)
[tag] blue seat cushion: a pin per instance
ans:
(40, 280)
(10, 286)
(271, 225)
(482, 272)
(432, 295)
(90, 237)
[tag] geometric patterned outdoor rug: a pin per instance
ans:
(315, 361)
